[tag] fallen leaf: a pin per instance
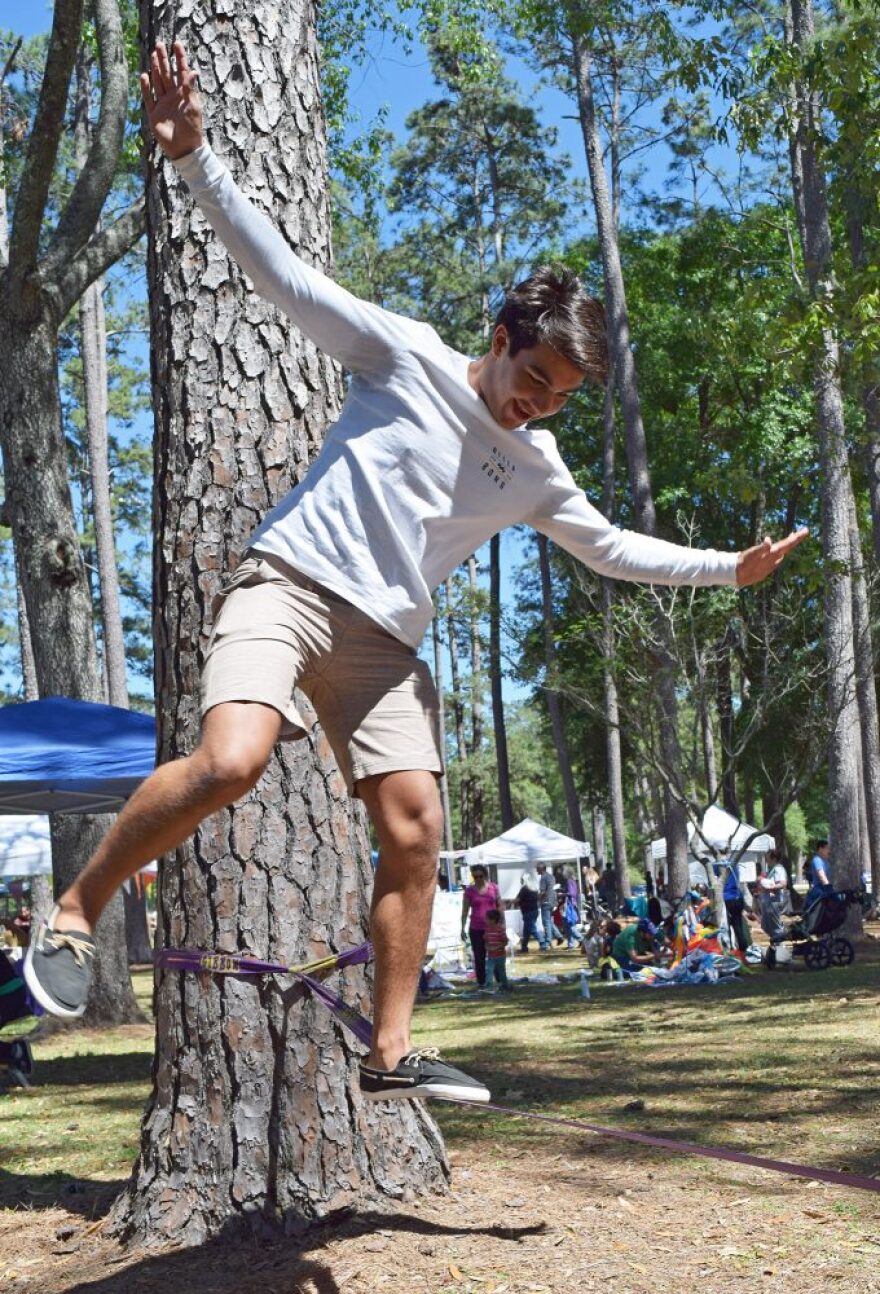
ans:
(455, 1273)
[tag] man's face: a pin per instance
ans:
(530, 385)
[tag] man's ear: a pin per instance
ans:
(500, 341)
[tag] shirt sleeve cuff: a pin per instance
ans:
(728, 563)
(200, 168)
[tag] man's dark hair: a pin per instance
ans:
(553, 306)
(820, 844)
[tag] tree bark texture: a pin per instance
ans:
(645, 519)
(256, 1120)
(843, 756)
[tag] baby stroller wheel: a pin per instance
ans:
(818, 955)
(842, 951)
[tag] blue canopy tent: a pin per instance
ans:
(64, 756)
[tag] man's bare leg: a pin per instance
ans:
(236, 741)
(405, 809)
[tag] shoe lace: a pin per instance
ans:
(81, 948)
(422, 1053)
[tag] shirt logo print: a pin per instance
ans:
(499, 468)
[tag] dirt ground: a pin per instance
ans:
(534, 1208)
(550, 1215)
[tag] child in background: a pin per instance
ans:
(496, 949)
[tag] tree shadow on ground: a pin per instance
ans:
(100, 1068)
(230, 1264)
(86, 1199)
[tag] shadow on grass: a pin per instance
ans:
(88, 1200)
(96, 1069)
(232, 1264)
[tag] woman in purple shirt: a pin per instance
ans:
(479, 898)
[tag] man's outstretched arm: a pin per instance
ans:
(567, 517)
(357, 333)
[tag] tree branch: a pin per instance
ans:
(99, 253)
(30, 203)
(83, 209)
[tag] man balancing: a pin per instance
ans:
(432, 454)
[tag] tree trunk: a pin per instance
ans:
(58, 606)
(636, 447)
(866, 695)
(599, 840)
(441, 717)
(495, 674)
(613, 752)
(42, 273)
(726, 721)
(458, 714)
(476, 781)
(25, 645)
(93, 335)
(554, 702)
(255, 1122)
(815, 231)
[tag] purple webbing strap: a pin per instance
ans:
(362, 1029)
(201, 961)
(831, 1175)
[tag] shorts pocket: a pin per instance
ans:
(247, 572)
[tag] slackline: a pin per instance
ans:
(200, 961)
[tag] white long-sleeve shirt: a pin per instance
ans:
(415, 474)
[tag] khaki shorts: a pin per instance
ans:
(275, 629)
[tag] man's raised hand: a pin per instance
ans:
(755, 564)
(174, 109)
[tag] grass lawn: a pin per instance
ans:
(784, 1064)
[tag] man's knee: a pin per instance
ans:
(233, 755)
(411, 827)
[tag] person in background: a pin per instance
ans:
(528, 901)
(495, 937)
(481, 895)
(570, 914)
(772, 890)
(546, 904)
(735, 907)
(607, 888)
(818, 873)
(635, 946)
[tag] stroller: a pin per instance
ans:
(812, 936)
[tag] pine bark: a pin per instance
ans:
(255, 1122)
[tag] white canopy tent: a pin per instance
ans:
(725, 834)
(521, 849)
(26, 849)
(24, 845)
